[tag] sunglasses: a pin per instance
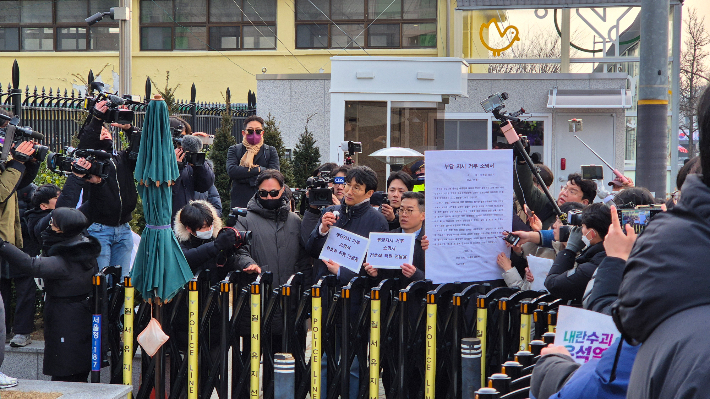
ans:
(257, 131)
(272, 193)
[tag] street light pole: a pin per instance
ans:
(124, 51)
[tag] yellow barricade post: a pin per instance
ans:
(525, 322)
(316, 343)
(430, 371)
(375, 343)
(255, 341)
(193, 339)
(128, 303)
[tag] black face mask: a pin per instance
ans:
(50, 237)
(270, 204)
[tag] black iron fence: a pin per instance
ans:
(59, 115)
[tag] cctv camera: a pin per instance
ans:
(94, 18)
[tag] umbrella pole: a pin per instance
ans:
(160, 361)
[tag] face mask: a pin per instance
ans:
(253, 139)
(270, 204)
(204, 235)
(586, 240)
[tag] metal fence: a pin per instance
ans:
(59, 116)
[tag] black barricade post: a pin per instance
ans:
(470, 367)
(536, 346)
(99, 283)
(487, 393)
(285, 376)
(224, 294)
(408, 381)
(349, 343)
(463, 324)
(548, 338)
(486, 304)
(500, 382)
(551, 322)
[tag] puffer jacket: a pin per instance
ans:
(15, 176)
(569, 274)
(664, 300)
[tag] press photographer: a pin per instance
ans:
(108, 202)
(196, 174)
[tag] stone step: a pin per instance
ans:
(73, 390)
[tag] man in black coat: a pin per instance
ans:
(570, 274)
(664, 299)
(247, 159)
(193, 179)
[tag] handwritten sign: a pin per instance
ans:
(468, 205)
(584, 333)
(390, 250)
(345, 248)
(539, 267)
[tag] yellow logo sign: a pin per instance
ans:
(497, 51)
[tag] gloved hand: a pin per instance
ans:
(574, 242)
(226, 238)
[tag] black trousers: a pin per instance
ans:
(23, 321)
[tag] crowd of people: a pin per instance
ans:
(64, 235)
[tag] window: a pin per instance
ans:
(208, 24)
(366, 23)
(48, 25)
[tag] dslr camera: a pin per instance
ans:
(62, 164)
(319, 194)
(114, 114)
(574, 217)
(15, 134)
(193, 158)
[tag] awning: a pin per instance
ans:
(589, 98)
(527, 4)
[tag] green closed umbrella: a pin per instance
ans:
(160, 268)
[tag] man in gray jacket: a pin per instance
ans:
(276, 244)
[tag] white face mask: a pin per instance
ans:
(586, 240)
(204, 235)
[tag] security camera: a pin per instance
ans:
(94, 18)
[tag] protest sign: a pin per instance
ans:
(345, 248)
(539, 267)
(468, 206)
(390, 250)
(584, 333)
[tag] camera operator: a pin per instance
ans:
(193, 178)
(398, 183)
(311, 213)
(276, 244)
(67, 264)
(411, 222)
(111, 201)
(247, 159)
(576, 190)
(570, 273)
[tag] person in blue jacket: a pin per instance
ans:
(558, 376)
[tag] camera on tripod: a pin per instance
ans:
(14, 134)
(61, 164)
(350, 148)
(319, 194)
(114, 114)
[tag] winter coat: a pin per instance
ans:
(537, 201)
(361, 219)
(568, 277)
(664, 300)
(276, 244)
(606, 285)
(67, 269)
(211, 196)
(309, 222)
(243, 179)
(111, 202)
(29, 246)
(558, 376)
(15, 177)
(192, 179)
(417, 261)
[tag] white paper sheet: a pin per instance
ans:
(390, 250)
(539, 267)
(345, 248)
(469, 203)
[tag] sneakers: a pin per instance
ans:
(6, 381)
(20, 340)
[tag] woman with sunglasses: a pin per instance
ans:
(247, 159)
(67, 265)
(276, 240)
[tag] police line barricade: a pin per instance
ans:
(540, 315)
(418, 335)
(464, 327)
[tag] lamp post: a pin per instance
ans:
(123, 15)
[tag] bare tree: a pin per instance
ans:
(693, 74)
(544, 45)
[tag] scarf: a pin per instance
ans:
(248, 157)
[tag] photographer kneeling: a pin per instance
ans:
(67, 265)
(570, 273)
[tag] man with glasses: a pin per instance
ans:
(398, 183)
(246, 160)
(276, 244)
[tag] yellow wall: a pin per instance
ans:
(211, 71)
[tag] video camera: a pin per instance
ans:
(15, 134)
(61, 164)
(350, 148)
(193, 158)
(319, 194)
(114, 114)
